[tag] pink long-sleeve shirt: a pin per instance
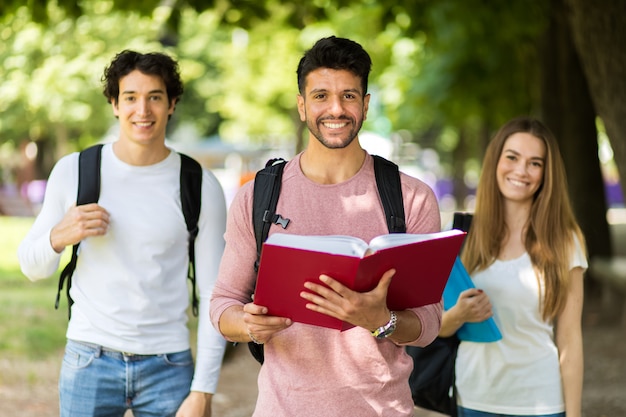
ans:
(314, 371)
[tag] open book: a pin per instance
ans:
(422, 262)
(459, 281)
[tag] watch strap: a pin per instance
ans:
(386, 330)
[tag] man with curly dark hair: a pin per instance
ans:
(127, 340)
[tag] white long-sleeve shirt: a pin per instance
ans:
(130, 286)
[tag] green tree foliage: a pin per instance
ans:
(51, 90)
(446, 71)
(430, 70)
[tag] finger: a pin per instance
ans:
(254, 309)
(323, 300)
(334, 285)
(471, 292)
(317, 298)
(93, 227)
(385, 280)
(262, 330)
(94, 211)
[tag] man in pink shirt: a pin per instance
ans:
(329, 188)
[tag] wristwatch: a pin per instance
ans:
(386, 330)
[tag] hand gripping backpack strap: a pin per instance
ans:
(390, 192)
(190, 198)
(88, 192)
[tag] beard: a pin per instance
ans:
(336, 142)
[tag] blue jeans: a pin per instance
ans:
(466, 412)
(97, 382)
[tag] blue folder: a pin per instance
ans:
(459, 281)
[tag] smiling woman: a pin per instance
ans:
(526, 254)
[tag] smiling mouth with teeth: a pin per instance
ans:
(517, 183)
(334, 125)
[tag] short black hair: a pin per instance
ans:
(335, 53)
(153, 63)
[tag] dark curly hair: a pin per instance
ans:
(338, 54)
(153, 63)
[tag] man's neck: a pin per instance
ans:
(134, 154)
(332, 166)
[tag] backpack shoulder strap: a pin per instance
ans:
(390, 192)
(88, 192)
(267, 183)
(89, 175)
(191, 198)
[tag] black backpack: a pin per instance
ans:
(267, 185)
(89, 192)
(433, 376)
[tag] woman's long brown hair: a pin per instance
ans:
(551, 226)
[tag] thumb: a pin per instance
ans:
(385, 280)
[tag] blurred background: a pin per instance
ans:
(446, 75)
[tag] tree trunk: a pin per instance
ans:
(568, 111)
(599, 34)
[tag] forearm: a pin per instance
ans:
(569, 341)
(196, 404)
(450, 323)
(210, 353)
(36, 255)
(232, 326)
(418, 327)
(37, 258)
(408, 327)
(571, 362)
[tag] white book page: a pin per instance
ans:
(399, 239)
(334, 244)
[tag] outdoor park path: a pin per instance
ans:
(29, 388)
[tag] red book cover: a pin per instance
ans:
(422, 262)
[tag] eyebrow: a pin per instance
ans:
(149, 92)
(534, 158)
(324, 90)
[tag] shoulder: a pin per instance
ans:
(415, 185)
(417, 191)
(421, 205)
(578, 257)
(411, 184)
(66, 167)
(210, 181)
(242, 201)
